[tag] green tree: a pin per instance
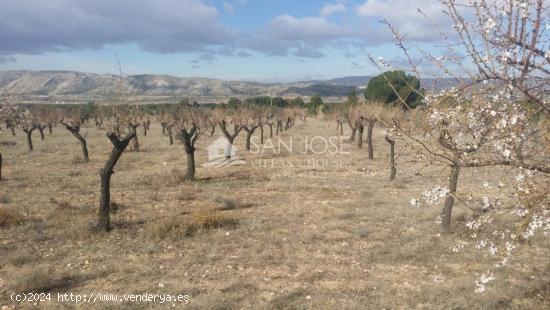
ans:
(233, 103)
(279, 102)
(298, 102)
(407, 86)
(352, 98)
(314, 103)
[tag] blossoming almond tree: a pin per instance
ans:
(497, 115)
(10, 114)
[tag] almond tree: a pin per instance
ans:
(29, 123)
(72, 122)
(9, 111)
(212, 120)
(270, 121)
(121, 124)
(388, 117)
(488, 119)
(497, 115)
(190, 124)
(167, 121)
(231, 125)
(251, 120)
(145, 124)
(279, 117)
(136, 121)
(370, 113)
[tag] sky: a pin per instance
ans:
(258, 40)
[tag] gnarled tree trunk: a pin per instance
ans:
(360, 129)
(41, 130)
(75, 131)
(369, 139)
(262, 134)
(135, 146)
(393, 171)
(29, 131)
(450, 197)
(170, 135)
(105, 174)
(230, 137)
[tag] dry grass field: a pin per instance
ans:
(245, 236)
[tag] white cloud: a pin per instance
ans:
(228, 7)
(288, 27)
(405, 17)
(332, 8)
(162, 26)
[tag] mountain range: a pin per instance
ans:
(70, 86)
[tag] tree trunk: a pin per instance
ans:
(41, 130)
(190, 174)
(12, 131)
(50, 129)
(145, 130)
(228, 148)
(360, 135)
(0, 166)
(450, 198)
(262, 134)
(213, 130)
(352, 136)
(84, 146)
(393, 171)
(270, 130)
(170, 136)
(369, 140)
(135, 146)
(163, 128)
(105, 188)
(29, 140)
(248, 137)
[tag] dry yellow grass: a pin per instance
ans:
(293, 237)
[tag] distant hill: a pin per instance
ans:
(350, 81)
(74, 86)
(323, 90)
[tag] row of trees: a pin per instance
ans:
(121, 117)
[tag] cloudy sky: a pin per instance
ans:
(263, 40)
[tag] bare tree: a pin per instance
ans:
(230, 120)
(72, 122)
(123, 115)
(29, 123)
(251, 120)
(190, 124)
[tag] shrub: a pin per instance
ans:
(9, 216)
(187, 225)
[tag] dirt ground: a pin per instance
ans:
(270, 236)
